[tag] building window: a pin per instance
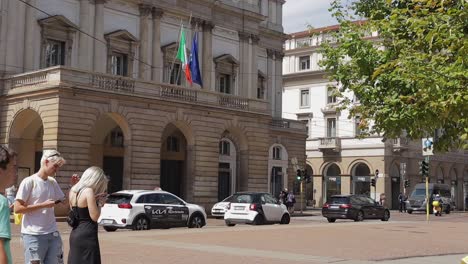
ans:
(304, 63)
(277, 153)
(172, 144)
(119, 64)
(224, 83)
(54, 53)
(116, 137)
(304, 98)
(357, 129)
(224, 148)
(331, 97)
(176, 75)
(261, 88)
(331, 127)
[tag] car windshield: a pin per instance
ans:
(118, 198)
(242, 198)
(227, 199)
(419, 193)
(339, 200)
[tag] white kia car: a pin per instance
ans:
(255, 208)
(220, 208)
(141, 210)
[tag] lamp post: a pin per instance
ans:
(375, 186)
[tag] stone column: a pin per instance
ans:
(244, 171)
(245, 65)
(85, 44)
(253, 72)
(157, 60)
(278, 64)
(144, 68)
(16, 12)
(207, 61)
(271, 94)
(100, 51)
(29, 40)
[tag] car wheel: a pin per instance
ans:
(141, 223)
(110, 228)
(196, 221)
(259, 220)
(359, 216)
(409, 211)
(386, 215)
(229, 223)
(331, 220)
(285, 219)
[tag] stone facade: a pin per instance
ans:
(339, 162)
(98, 81)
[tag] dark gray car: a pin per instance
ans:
(356, 207)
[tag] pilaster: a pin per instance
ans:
(100, 54)
(29, 37)
(157, 57)
(85, 42)
(144, 66)
(207, 61)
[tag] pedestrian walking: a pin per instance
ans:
(290, 201)
(35, 199)
(382, 199)
(86, 198)
(7, 177)
(402, 201)
(283, 195)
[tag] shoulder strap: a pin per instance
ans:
(76, 198)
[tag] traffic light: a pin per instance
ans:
(298, 175)
(424, 168)
(407, 183)
(372, 182)
(307, 178)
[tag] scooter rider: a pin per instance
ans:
(437, 203)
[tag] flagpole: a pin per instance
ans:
(181, 28)
(175, 56)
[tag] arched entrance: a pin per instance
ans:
(26, 137)
(278, 166)
(332, 181)
(173, 161)
(361, 179)
(396, 183)
(109, 143)
(227, 168)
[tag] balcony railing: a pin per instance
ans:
(61, 76)
(330, 144)
(289, 124)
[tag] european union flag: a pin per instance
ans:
(193, 61)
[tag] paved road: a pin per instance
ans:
(405, 239)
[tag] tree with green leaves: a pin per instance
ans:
(410, 78)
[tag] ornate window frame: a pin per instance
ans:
(121, 42)
(226, 65)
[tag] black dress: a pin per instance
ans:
(84, 243)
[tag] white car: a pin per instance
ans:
(255, 208)
(220, 208)
(140, 210)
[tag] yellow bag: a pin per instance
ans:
(18, 218)
(436, 203)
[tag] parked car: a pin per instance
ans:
(356, 207)
(417, 199)
(255, 208)
(220, 208)
(141, 210)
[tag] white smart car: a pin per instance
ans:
(255, 208)
(141, 210)
(220, 208)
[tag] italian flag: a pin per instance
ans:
(182, 55)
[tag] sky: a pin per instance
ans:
(297, 14)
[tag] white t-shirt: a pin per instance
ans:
(34, 190)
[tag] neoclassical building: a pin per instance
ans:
(338, 160)
(98, 81)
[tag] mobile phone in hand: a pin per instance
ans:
(59, 201)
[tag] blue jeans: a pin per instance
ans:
(46, 248)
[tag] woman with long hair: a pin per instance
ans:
(86, 199)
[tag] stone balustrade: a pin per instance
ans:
(61, 76)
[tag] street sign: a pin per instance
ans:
(427, 146)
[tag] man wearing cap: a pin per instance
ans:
(35, 199)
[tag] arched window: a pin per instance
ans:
(172, 144)
(277, 153)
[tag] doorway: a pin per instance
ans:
(171, 176)
(276, 181)
(395, 193)
(224, 181)
(113, 167)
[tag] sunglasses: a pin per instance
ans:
(54, 155)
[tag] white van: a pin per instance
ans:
(417, 199)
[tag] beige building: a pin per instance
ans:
(339, 162)
(98, 81)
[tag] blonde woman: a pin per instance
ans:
(86, 198)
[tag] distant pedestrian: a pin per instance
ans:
(283, 195)
(290, 201)
(86, 199)
(402, 201)
(36, 198)
(382, 199)
(7, 177)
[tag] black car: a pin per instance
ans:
(356, 207)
